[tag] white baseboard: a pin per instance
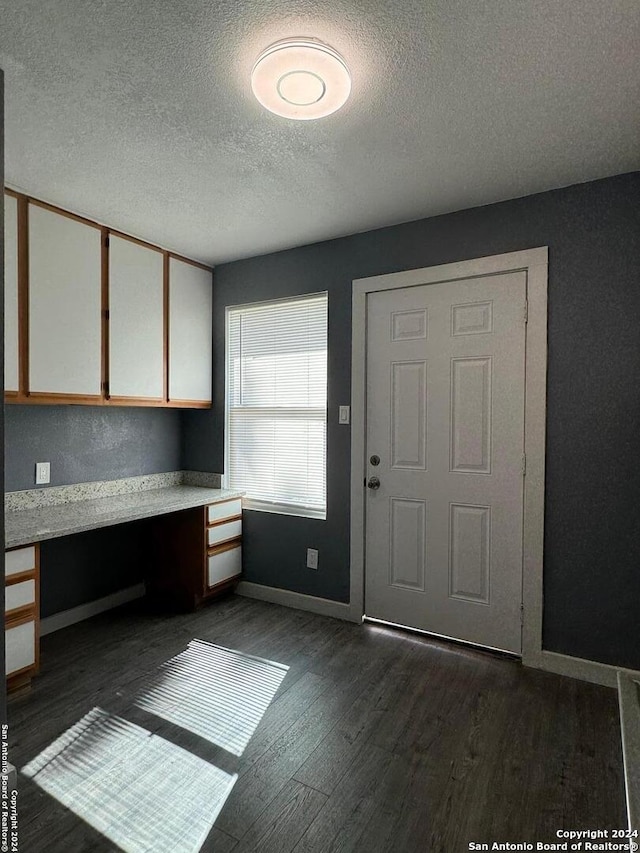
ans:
(630, 730)
(297, 600)
(91, 608)
(585, 670)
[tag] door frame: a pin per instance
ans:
(534, 263)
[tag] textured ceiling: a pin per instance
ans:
(140, 114)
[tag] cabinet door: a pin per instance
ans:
(136, 320)
(65, 333)
(11, 376)
(224, 564)
(20, 647)
(190, 332)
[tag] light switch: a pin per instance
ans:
(43, 473)
(344, 414)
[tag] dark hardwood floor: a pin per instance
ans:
(371, 740)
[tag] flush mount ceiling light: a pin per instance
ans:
(301, 78)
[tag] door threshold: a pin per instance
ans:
(433, 635)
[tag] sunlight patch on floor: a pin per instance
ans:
(216, 693)
(139, 790)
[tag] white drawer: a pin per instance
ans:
(226, 509)
(224, 532)
(20, 647)
(22, 560)
(224, 565)
(19, 594)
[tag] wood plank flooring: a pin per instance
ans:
(374, 741)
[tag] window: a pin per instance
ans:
(276, 407)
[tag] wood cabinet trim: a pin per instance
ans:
(21, 547)
(104, 309)
(46, 399)
(189, 404)
(61, 212)
(135, 401)
(54, 399)
(19, 577)
(20, 678)
(219, 521)
(21, 616)
(221, 585)
(101, 225)
(23, 296)
(224, 546)
(113, 232)
(23, 395)
(165, 328)
(189, 261)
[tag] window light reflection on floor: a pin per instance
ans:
(216, 693)
(136, 788)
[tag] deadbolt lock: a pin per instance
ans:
(375, 460)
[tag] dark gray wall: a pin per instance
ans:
(87, 566)
(592, 535)
(85, 443)
(3, 684)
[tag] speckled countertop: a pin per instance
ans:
(25, 526)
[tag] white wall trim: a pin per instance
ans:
(534, 263)
(91, 608)
(630, 729)
(297, 600)
(584, 670)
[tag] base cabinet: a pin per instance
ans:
(22, 615)
(223, 564)
(195, 555)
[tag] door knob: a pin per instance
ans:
(374, 483)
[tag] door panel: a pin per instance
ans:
(409, 435)
(445, 414)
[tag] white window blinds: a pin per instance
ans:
(276, 415)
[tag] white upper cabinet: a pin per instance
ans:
(190, 332)
(136, 320)
(11, 376)
(65, 322)
(94, 317)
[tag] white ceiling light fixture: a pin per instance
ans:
(301, 78)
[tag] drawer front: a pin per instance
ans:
(224, 565)
(224, 532)
(22, 560)
(227, 509)
(20, 647)
(19, 594)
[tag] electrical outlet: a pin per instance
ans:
(43, 473)
(312, 558)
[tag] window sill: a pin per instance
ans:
(283, 509)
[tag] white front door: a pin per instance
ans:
(445, 417)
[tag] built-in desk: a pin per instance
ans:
(194, 549)
(27, 526)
